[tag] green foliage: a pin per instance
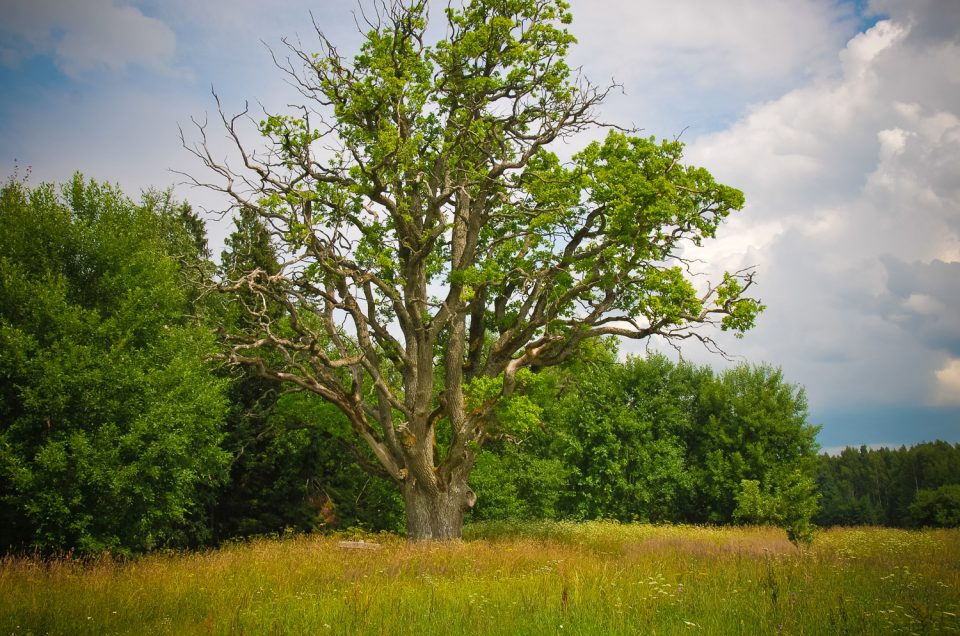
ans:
(790, 503)
(513, 484)
(291, 469)
(109, 417)
(938, 508)
(650, 440)
(754, 505)
(617, 428)
(879, 486)
(742, 312)
(748, 423)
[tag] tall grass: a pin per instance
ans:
(550, 578)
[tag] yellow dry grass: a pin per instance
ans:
(545, 578)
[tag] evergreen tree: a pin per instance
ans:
(887, 486)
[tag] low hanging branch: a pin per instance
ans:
(436, 247)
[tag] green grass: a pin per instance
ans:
(550, 578)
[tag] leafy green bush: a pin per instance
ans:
(789, 502)
(110, 420)
(939, 508)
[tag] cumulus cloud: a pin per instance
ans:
(856, 177)
(923, 300)
(711, 42)
(695, 63)
(929, 20)
(86, 36)
(948, 384)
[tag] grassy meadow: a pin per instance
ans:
(552, 578)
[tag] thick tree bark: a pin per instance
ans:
(437, 514)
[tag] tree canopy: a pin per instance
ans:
(435, 249)
(903, 486)
(109, 415)
(655, 441)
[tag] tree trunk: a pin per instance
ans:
(436, 515)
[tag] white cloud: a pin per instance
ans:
(696, 63)
(948, 384)
(924, 304)
(860, 170)
(892, 142)
(86, 36)
(712, 42)
(858, 57)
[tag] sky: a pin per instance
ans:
(840, 121)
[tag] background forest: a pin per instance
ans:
(120, 431)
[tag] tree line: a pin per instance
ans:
(122, 429)
(903, 487)
(411, 323)
(119, 430)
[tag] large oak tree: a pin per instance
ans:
(436, 250)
